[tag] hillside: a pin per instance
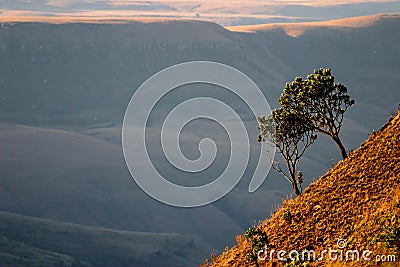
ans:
(65, 176)
(355, 200)
(299, 28)
(28, 241)
(64, 88)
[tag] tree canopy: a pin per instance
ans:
(321, 102)
(291, 136)
(307, 107)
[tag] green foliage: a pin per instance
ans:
(319, 96)
(319, 102)
(391, 238)
(287, 216)
(291, 134)
(258, 240)
(299, 261)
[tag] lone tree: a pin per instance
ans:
(322, 101)
(289, 132)
(314, 105)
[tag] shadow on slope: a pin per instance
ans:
(28, 241)
(79, 179)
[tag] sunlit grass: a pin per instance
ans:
(357, 200)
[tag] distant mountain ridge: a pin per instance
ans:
(299, 28)
(227, 13)
(64, 88)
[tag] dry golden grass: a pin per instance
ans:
(354, 201)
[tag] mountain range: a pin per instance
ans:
(233, 12)
(64, 88)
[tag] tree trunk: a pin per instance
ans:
(296, 189)
(340, 145)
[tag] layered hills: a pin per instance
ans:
(29, 241)
(233, 12)
(64, 88)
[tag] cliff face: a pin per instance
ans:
(356, 202)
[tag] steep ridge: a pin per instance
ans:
(299, 28)
(354, 201)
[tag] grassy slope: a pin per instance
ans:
(355, 200)
(28, 241)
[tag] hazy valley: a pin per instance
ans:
(64, 89)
